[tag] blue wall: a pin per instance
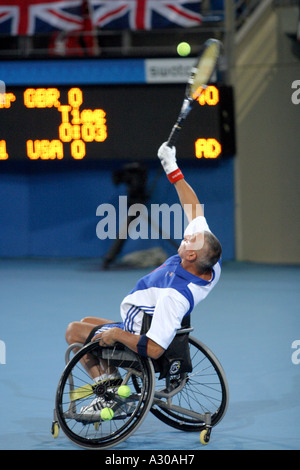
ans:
(49, 209)
(53, 213)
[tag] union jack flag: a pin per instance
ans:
(27, 17)
(145, 14)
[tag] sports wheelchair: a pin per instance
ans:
(187, 392)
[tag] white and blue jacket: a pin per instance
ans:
(168, 294)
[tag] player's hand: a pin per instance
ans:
(106, 338)
(167, 156)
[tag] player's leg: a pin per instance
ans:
(79, 332)
(96, 321)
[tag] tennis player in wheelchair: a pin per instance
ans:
(166, 296)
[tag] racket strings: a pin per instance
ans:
(203, 72)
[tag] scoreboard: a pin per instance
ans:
(100, 122)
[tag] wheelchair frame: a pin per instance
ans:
(144, 397)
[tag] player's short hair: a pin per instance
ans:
(209, 254)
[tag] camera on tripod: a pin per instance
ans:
(134, 175)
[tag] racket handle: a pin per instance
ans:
(174, 135)
(185, 109)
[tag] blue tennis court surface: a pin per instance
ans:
(250, 322)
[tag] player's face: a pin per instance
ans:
(191, 243)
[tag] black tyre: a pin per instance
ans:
(205, 390)
(76, 390)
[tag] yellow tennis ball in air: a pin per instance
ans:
(183, 49)
(107, 414)
(124, 391)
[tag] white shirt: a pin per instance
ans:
(167, 294)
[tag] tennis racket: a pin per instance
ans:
(198, 80)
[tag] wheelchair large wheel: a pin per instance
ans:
(197, 400)
(87, 425)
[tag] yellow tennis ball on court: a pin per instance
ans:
(124, 391)
(107, 414)
(183, 49)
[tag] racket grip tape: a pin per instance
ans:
(174, 135)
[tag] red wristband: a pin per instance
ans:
(176, 175)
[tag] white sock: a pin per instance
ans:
(114, 375)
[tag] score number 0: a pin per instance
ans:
(77, 127)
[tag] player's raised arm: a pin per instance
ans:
(186, 194)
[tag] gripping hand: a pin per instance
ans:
(167, 156)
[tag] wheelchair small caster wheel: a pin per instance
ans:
(55, 429)
(205, 436)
